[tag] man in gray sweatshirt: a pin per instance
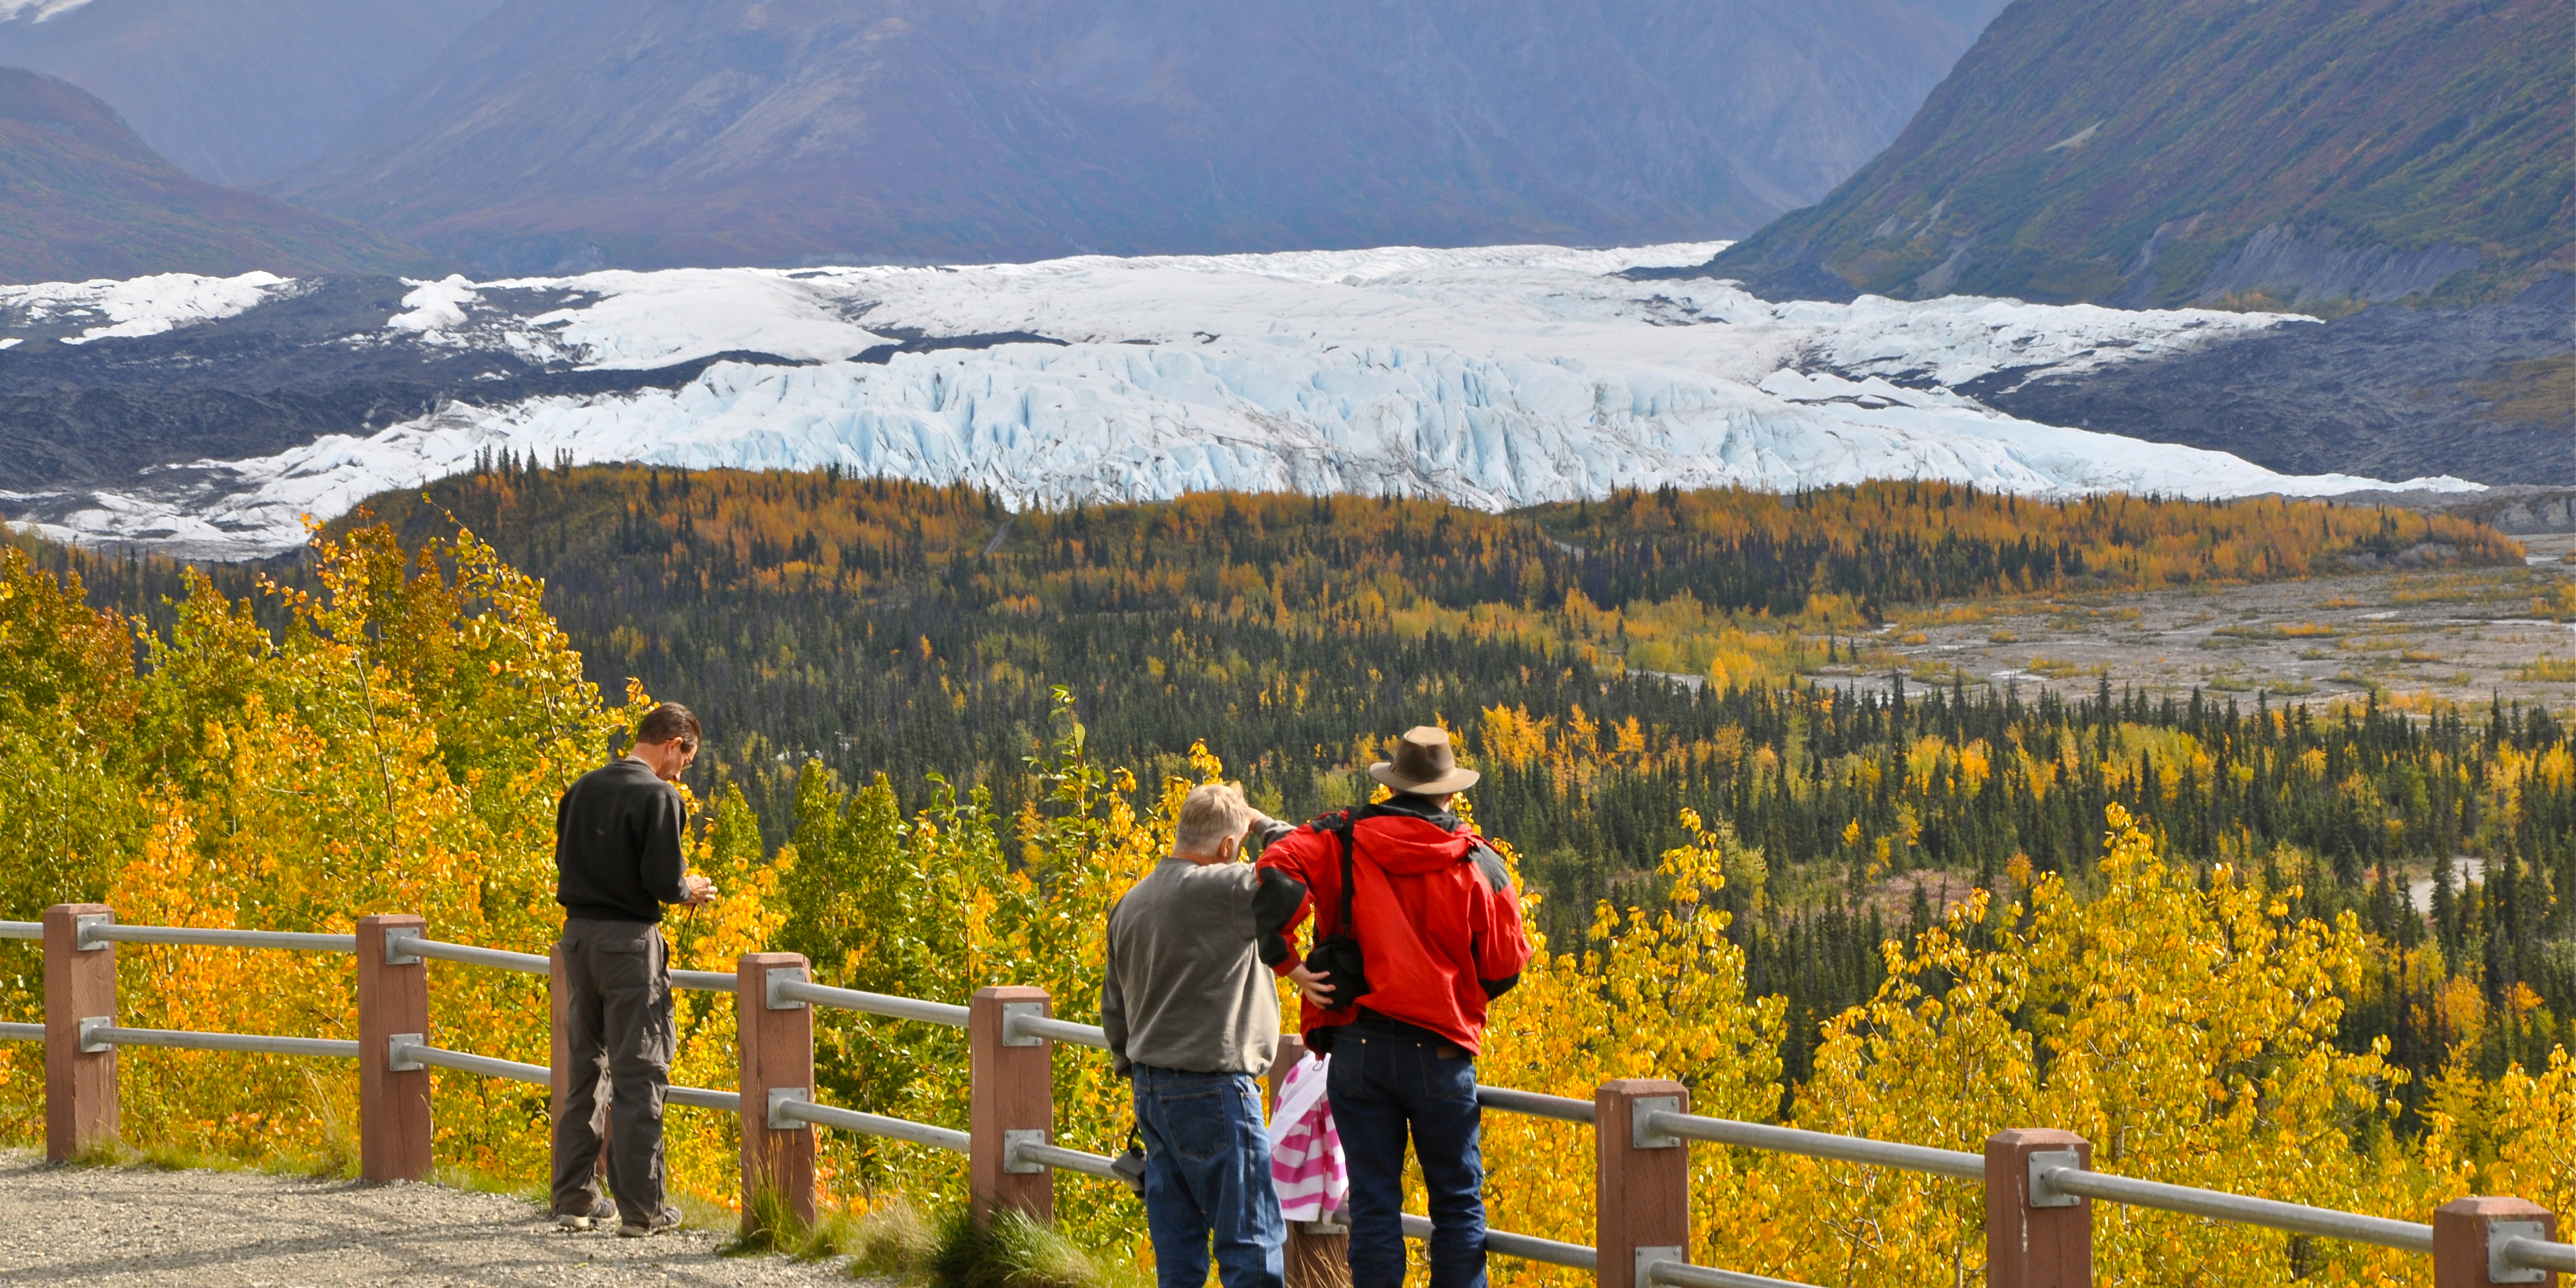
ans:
(1192, 1018)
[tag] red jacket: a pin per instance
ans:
(1438, 922)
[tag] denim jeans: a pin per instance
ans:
(1207, 1172)
(1384, 1087)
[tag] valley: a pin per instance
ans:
(2419, 637)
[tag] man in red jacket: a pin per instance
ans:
(1439, 936)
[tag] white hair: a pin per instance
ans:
(1212, 813)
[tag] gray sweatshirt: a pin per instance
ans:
(1184, 989)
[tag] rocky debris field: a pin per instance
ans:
(118, 1226)
(2451, 633)
(2391, 392)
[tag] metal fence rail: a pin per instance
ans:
(1814, 1144)
(1536, 1105)
(1030, 1153)
(784, 1110)
(99, 1037)
(403, 947)
(107, 932)
(1055, 1030)
(1524, 1246)
(784, 989)
(407, 1052)
(22, 1033)
(22, 930)
(2536, 1254)
(2297, 1218)
(1682, 1274)
(703, 1098)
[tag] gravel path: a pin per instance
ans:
(121, 1226)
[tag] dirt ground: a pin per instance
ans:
(2460, 635)
(137, 1225)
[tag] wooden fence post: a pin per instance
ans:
(776, 1041)
(1012, 1092)
(1641, 1179)
(80, 985)
(1314, 1260)
(2461, 1257)
(393, 1105)
(2048, 1244)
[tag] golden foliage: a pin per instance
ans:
(400, 745)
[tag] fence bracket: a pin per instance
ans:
(1646, 1259)
(2501, 1233)
(777, 976)
(91, 1024)
(779, 1096)
(397, 950)
(2045, 1195)
(1012, 1014)
(82, 939)
(1642, 1131)
(1012, 1140)
(397, 1052)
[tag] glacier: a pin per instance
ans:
(1494, 377)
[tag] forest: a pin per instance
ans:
(1788, 875)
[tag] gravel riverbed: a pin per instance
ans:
(120, 1226)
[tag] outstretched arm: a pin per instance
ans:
(1502, 944)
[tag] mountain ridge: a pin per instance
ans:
(2301, 152)
(234, 91)
(563, 137)
(82, 197)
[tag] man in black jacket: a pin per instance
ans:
(617, 861)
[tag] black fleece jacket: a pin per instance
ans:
(617, 845)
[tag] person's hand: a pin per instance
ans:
(1313, 987)
(701, 889)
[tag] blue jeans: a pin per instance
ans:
(1207, 1172)
(1382, 1088)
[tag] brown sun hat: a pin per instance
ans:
(1424, 765)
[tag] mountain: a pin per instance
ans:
(1496, 378)
(2324, 153)
(564, 135)
(82, 197)
(234, 90)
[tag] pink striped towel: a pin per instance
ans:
(1306, 1165)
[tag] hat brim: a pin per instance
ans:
(1456, 780)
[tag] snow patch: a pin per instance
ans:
(140, 306)
(36, 10)
(434, 308)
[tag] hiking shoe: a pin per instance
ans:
(602, 1210)
(668, 1220)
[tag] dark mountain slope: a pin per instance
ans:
(82, 197)
(2292, 151)
(2486, 392)
(235, 90)
(563, 134)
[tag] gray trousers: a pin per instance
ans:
(619, 974)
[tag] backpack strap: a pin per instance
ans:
(1342, 824)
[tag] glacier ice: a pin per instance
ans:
(140, 306)
(1495, 377)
